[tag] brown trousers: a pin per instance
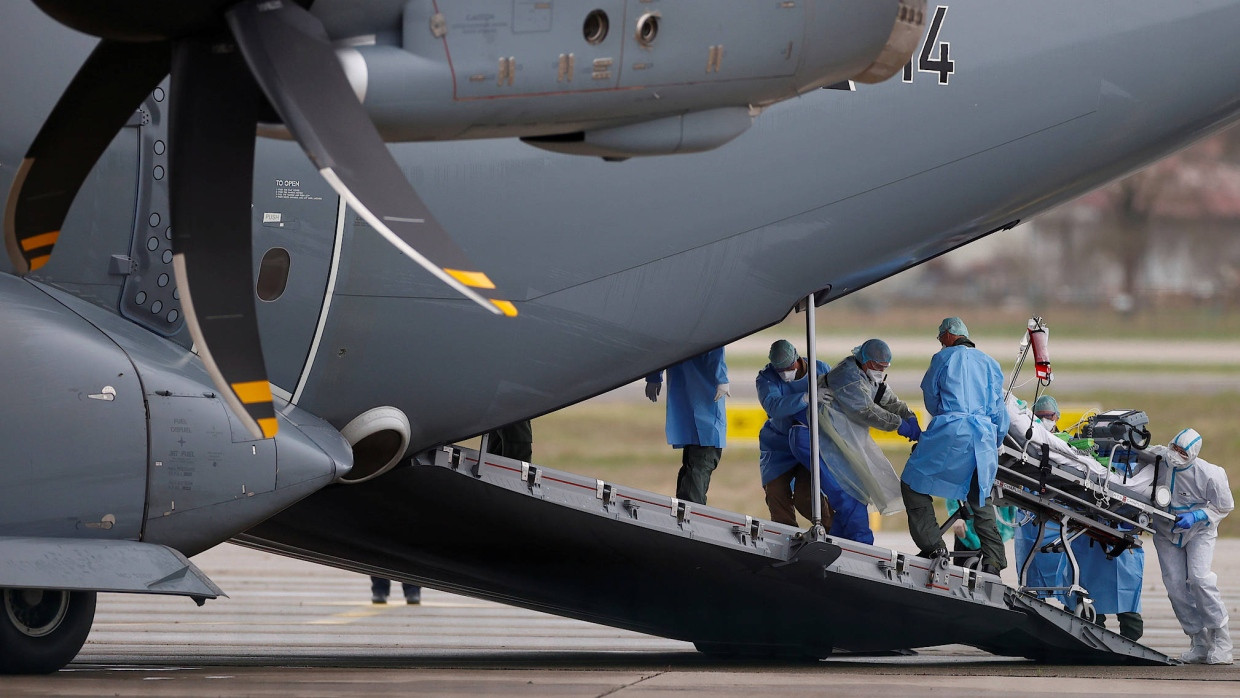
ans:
(783, 494)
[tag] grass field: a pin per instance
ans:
(625, 443)
(1167, 321)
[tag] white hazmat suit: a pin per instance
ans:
(1185, 554)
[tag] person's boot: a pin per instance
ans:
(376, 597)
(1220, 647)
(1196, 654)
(413, 596)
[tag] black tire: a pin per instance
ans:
(42, 630)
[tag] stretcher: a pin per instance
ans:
(1112, 502)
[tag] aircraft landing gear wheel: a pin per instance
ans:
(42, 630)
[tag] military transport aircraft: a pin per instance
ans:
(572, 195)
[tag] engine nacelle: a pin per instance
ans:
(121, 435)
(498, 68)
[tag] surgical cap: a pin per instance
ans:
(873, 350)
(1190, 441)
(954, 325)
(783, 354)
(1046, 404)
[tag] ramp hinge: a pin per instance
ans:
(605, 492)
(681, 509)
(531, 476)
(454, 457)
(631, 507)
(937, 576)
(750, 533)
(897, 564)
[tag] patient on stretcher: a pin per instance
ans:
(1134, 478)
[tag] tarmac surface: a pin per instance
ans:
(292, 628)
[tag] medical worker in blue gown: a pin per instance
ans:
(859, 391)
(1045, 569)
(697, 421)
(783, 391)
(957, 455)
(1114, 585)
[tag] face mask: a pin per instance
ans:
(1176, 459)
(876, 375)
(1048, 423)
(788, 375)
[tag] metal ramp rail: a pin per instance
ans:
(514, 532)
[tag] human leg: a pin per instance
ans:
(380, 587)
(1131, 625)
(922, 524)
(779, 499)
(850, 519)
(696, 465)
(1203, 584)
(1174, 564)
(992, 549)
(413, 593)
(802, 490)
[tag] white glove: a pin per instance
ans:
(721, 390)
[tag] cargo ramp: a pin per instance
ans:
(516, 533)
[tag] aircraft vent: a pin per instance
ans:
(379, 438)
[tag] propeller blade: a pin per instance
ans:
(214, 110)
(294, 62)
(103, 95)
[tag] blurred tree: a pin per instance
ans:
(1193, 195)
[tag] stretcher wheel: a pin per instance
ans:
(1085, 611)
(1144, 519)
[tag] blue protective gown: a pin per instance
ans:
(784, 403)
(1114, 585)
(694, 417)
(963, 392)
(852, 517)
(1046, 569)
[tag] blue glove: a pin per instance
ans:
(909, 429)
(1188, 518)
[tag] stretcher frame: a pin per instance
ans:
(1081, 505)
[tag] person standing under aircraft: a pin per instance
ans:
(783, 390)
(957, 456)
(1200, 498)
(380, 587)
(697, 420)
(859, 391)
